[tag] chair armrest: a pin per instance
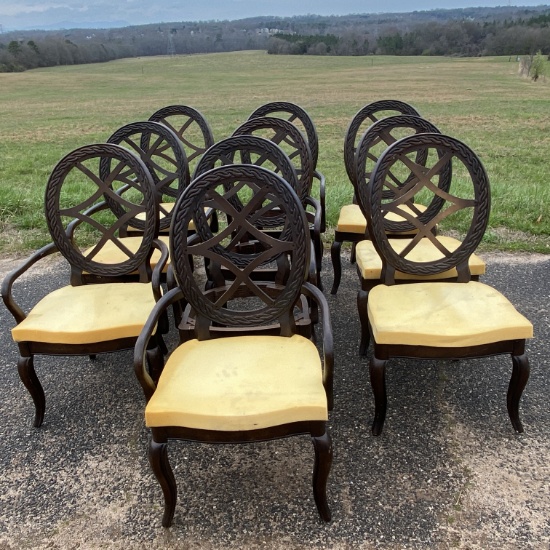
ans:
(322, 193)
(159, 267)
(317, 214)
(9, 280)
(140, 349)
(313, 293)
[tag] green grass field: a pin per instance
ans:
(483, 101)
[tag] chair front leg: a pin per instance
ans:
(323, 461)
(335, 251)
(518, 381)
(158, 459)
(362, 303)
(377, 368)
(25, 367)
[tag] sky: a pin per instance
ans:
(56, 14)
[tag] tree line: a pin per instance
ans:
(464, 32)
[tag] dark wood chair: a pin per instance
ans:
(351, 226)
(258, 151)
(438, 319)
(300, 118)
(161, 151)
(91, 193)
(245, 388)
(287, 136)
(191, 127)
(369, 265)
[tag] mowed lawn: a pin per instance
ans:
(484, 102)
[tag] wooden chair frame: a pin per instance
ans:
(450, 150)
(370, 112)
(116, 164)
(214, 188)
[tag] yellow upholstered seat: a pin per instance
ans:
(369, 263)
(166, 208)
(444, 315)
(112, 254)
(351, 219)
(229, 384)
(88, 314)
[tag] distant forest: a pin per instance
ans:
(467, 32)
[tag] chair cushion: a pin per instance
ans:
(351, 219)
(370, 264)
(166, 208)
(111, 254)
(88, 314)
(239, 383)
(444, 315)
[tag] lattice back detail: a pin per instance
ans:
(376, 139)
(291, 140)
(78, 213)
(372, 112)
(293, 113)
(162, 152)
(213, 190)
(466, 202)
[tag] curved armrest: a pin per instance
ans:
(11, 277)
(312, 292)
(159, 267)
(317, 214)
(322, 193)
(140, 349)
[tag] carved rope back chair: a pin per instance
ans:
(243, 388)
(251, 149)
(300, 118)
(437, 319)
(161, 151)
(400, 233)
(191, 127)
(287, 136)
(374, 141)
(351, 226)
(91, 194)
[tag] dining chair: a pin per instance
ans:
(258, 151)
(437, 319)
(90, 195)
(245, 388)
(351, 226)
(192, 128)
(368, 262)
(287, 136)
(300, 118)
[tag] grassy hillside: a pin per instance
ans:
(506, 119)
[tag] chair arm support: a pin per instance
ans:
(311, 291)
(322, 193)
(140, 349)
(9, 280)
(159, 267)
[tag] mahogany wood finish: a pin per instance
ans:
(471, 198)
(261, 190)
(369, 114)
(81, 188)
